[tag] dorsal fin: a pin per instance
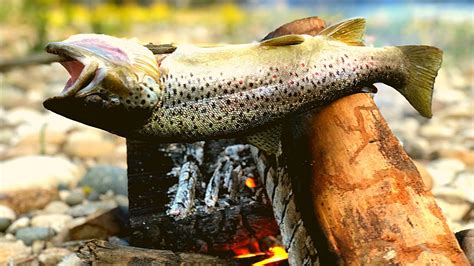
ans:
(349, 31)
(291, 39)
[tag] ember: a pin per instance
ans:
(250, 182)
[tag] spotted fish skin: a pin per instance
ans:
(221, 92)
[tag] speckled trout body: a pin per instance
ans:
(247, 90)
(246, 87)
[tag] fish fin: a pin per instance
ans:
(423, 65)
(291, 39)
(349, 31)
(268, 140)
(310, 26)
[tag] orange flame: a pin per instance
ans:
(250, 182)
(278, 254)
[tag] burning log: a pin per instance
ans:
(210, 210)
(367, 194)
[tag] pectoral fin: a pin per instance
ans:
(268, 140)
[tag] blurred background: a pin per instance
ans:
(39, 149)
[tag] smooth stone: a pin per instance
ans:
(21, 115)
(4, 223)
(102, 178)
(452, 203)
(11, 251)
(7, 212)
(93, 196)
(54, 221)
(416, 147)
(466, 241)
(444, 170)
(11, 97)
(437, 130)
(18, 224)
(88, 143)
(90, 208)
(30, 234)
(53, 256)
(38, 246)
(464, 182)
(74, 198)
(56, 207)
(37, 171)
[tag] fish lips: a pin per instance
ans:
(85, 72)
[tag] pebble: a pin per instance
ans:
(436, 130)
(52, 256)
(444, 170)
(11, 251)
(54, 221)
(4, 224)
(18, 224)
(102, 178)
(88, 143)
(37, 171)
(90, 208)
(74, 198)
(30, 234)
(93, 196)
(7, 212)
(56, 207)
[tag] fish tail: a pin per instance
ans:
(423, 65)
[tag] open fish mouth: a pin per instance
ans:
(85, 74)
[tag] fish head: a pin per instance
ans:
(113, 84)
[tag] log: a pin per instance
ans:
(100, 252)
(368, 196)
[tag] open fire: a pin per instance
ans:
(275, 255)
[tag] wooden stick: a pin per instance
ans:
(368, 195)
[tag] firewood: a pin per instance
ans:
(368, 196)
(100, 252)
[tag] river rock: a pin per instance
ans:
(88, 143)
(11, 251)
(6, 212)
(18, 224)
(11, 97)
(7, 216)
(52, 256)
(74, 198)
(106, 177)
(37, 172)
(54, 221)
(437, 130)
(56, 207)
(444, 170)
(30, 234)
(89, 208)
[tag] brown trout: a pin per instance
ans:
(197, 93)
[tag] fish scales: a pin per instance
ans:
(214, 101)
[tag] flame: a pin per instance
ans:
(278, 254)
(250, 182)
